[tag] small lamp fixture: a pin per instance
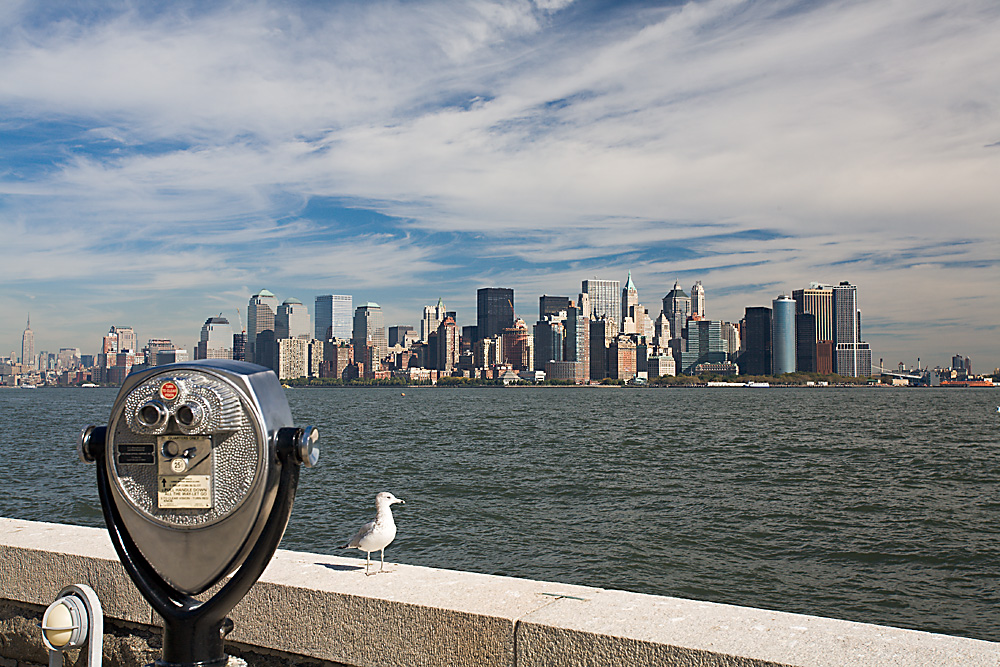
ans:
(68, 621)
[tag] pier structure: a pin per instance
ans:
(309, 609)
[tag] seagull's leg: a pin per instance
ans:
(382, 557)
(368, 560)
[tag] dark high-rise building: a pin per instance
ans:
(805, 342)
(602, 333)
(240, 346)
(397, 334)
(552, 305)
(549, 334)
(260, 319)
(495, 311)
(577, 341)
(756, 357)
(447, 345)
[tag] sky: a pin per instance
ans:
(160, 162)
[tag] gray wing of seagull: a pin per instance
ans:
(366, 529)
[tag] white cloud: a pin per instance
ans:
(844, 127)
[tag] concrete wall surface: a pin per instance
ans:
(316, 609)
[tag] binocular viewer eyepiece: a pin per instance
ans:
(197, 471)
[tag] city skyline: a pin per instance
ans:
(161, 164)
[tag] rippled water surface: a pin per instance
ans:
(877, 505)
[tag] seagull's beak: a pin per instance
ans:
(400, 501)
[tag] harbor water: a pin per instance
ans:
(869, 504)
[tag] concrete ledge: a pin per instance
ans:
(318, 608)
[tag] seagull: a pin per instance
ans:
(378, 534)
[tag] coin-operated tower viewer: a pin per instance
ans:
(196, 471)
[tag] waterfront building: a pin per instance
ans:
(677, 308)
(756, 356)
(573, 371)
(851, 356)
(260, 320)
(369, 332)
(292, 320)
(216, 340)
(448, 347)
(782, 335)
(552, 305)
(630, 300)
(549, 334)
(705, 345)
(28, 347)
(605, 299)
(432, 318)
(717, 368)
(334, 316)
(660, 364)
(299, 357)
(494, 311)
(698, 300)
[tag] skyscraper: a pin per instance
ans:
(577, 340)
(432, 319)
(630, 299)
(552, 305)
(698, 300)
(260, 319)
(28, 346)
(127, 341)
(369, 332)
(677, 308)
(818, 300)
(605, 300)
(494, 311)
(782, 335)
(447, 345)
(292, 320)
(705, 345)
(851, 356)
(216, 340)
(756, 357)
(549, 335)
(805, 342)
(334, 315)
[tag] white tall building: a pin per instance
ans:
(851, 357)
(216, 340)
(605, 298)
(369, 331)
(334, 316)
(698, 300)
(292, 320)
(432, 319)
(260, 318)
(28, 346)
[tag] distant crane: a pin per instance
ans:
(240, 317)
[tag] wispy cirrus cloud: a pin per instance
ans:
(749, 144)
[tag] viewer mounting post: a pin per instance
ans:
(196, 471)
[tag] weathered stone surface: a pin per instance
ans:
(39, 559)
(617, 627)
(322, 611)
(409, 616)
